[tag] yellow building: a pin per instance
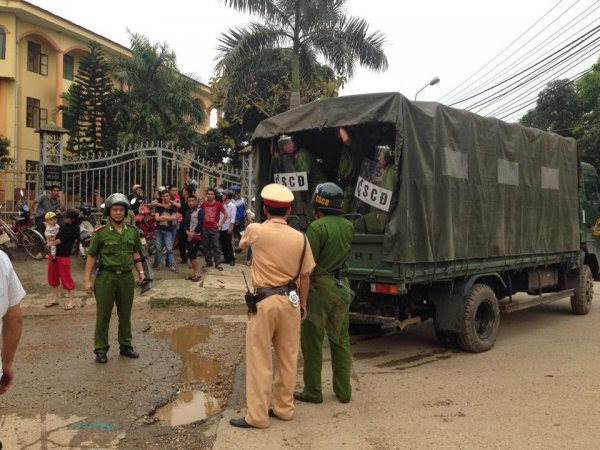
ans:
(39, 56)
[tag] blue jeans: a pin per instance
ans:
(164, 238)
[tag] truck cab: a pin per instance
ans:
(589, 198)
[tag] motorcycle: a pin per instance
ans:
(146, 224)
(22, 233)
(87, 223)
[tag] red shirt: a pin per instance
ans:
(211, 214)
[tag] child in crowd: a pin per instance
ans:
(59, 267)
(52, 227)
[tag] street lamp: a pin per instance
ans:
(434, 80)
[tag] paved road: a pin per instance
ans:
(539, 387)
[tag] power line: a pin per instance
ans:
(538, 73)
(570, 45)
(530, 100)
(534, 89)
(522, 106)
(566, 27)
(506, 48)
(533, 92)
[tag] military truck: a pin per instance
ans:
(482, 216)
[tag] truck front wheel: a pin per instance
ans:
(581, 301)
(481, 320)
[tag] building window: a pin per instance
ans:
(36, 60)
(36, 116)
(68, 67)
(2, 43)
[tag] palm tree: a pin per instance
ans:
(307, 29)
(158, 102)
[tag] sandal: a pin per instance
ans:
(192, 277)
(50, 305)
(219, 267)
(68, 307)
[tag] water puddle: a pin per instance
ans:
(190, 405)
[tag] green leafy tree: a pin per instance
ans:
(5, 161)
(216, 146)
(88, 108)
(267, 95)
(587, 130)
(302, 31)
(158, 103)
(558, 109)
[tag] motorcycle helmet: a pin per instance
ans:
(144, 210)
(328, 198)
(193, 184)
(116, 199)
(49, 215)
(236, 188)
(135, 186)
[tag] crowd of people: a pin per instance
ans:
(193, 223)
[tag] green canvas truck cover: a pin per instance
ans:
(467, 186)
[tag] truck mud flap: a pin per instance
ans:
(449, 310)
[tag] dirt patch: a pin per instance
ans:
(69, 400)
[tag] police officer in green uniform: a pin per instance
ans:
(330, 238)
(349, 166)
(299, 159)
(373, 222)
(119, 247)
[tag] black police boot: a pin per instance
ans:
(129, 352)
(101, 358)
(299, 395)
(240, 423)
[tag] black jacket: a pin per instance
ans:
(67, 234)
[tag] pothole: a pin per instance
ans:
(190, 405)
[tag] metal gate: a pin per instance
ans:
(89, 179)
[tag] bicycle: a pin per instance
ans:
(22, 234)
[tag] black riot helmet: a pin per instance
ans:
(328, 198)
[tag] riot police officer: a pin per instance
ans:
(118, 246)
(295, 158)
(330, 237)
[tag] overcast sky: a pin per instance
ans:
(448, 39)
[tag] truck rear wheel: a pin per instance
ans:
(448, 339)
(581, 301)
(481, 320)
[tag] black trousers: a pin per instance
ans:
(226, 246)
(183, 245)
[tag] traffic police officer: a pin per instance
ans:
(119, 247)
(280, 256)
(330, 238)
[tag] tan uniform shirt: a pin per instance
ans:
(276, 250)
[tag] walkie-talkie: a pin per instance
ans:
(249, 297)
